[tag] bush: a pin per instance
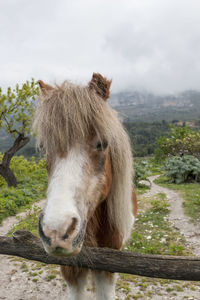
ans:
(141, 172)
(32, 183)
(182, 169)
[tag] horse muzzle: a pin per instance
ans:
(65, 242)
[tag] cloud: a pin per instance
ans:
(140, 44)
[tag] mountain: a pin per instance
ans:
(140, 106)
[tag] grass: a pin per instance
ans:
(153, 233)
(29, 223)
(32, 182)
(153, 167)
(190, 192)
(143, 168)
(142, 188)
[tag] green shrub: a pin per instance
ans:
(182, 169)
(141, 172)
(32, 183)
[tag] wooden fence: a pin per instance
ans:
(25, 244)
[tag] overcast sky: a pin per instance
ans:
(140, 44)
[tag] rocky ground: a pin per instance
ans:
(24, 280)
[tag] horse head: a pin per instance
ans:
(78, 162)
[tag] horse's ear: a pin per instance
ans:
(101, 85)
(44, 87)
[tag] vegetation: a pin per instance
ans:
(152, 166)
(141, 172)
(178, 141)
(32, 182)
(190, 192)
(143, 136)
(153, 233)
(16, 109)
(182, 169)
(29, 223)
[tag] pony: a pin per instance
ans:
(91, 199)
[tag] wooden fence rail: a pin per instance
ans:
(26, 245)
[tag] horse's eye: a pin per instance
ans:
(100, 146)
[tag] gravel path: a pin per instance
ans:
(190, 231)
(8, 223)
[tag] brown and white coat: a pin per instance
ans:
(90, 196)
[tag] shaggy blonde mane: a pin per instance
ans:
(66, 114)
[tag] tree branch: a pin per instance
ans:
(26, 245)
(19, 143)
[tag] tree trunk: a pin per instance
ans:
(8, 175)
(5, 170)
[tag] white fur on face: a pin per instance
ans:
(66, 177)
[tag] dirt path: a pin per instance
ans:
(8, 223)
(190, 231)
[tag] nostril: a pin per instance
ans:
(65, 236)
(71, 228)
(41, 231)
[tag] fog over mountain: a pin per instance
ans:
(142, 105)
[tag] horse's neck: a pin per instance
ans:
(100, 232)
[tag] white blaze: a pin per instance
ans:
(66, 177)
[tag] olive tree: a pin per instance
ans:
(16, 109)
(178, 141)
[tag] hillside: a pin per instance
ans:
(137, 106)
